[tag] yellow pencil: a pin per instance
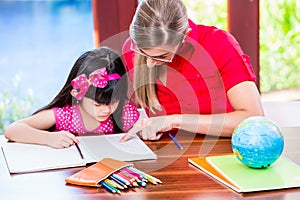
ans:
(115, 184)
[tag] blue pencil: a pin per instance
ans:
(109, 187)
(175, 141)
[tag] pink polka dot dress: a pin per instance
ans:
(68, 118)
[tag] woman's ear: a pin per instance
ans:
(186, 33)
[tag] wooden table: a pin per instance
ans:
(181, 180)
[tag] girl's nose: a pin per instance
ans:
(151, 63)
(105, 109)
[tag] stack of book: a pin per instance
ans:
(228, 170)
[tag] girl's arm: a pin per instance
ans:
(33, 130)
(243, 97)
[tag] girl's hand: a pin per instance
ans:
(61, 139)
(150, 128)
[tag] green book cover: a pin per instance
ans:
(281, 174)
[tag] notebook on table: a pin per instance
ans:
(228, 170)
(22, 158)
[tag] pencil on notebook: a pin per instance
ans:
(79, 150)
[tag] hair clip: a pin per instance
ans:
(99, 78)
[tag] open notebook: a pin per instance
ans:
(21, 158)
(229, 171)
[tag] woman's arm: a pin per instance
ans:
(244, 98)
(33, 130)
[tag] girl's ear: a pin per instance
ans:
(73, 92)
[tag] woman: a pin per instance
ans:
(187, 76)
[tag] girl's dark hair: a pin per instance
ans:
(116, 90)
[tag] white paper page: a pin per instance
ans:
(29, 157)
(109, 146)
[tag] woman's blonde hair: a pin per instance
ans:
(156, 23)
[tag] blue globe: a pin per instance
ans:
(257, 142)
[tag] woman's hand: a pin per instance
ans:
(150, 128)
(61, 139)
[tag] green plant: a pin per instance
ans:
(279, 44)
(279, 38)
(212, 12)
(15, 104)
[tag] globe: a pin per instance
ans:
(257, 142)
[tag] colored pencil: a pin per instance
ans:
(138, 176)
(142, 183)
(109, 187)
(175, 141)
(147, 176)
(115, 184)
(120, 178)
(118, 181)
(129, 179)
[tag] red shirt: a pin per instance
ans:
(206, 66)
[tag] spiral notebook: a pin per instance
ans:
(22, 158)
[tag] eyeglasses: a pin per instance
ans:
(134, 48)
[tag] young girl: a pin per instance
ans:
(93, 100)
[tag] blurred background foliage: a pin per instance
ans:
(279, 44)
(15, 104)
(279, 38)
(279, 51)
